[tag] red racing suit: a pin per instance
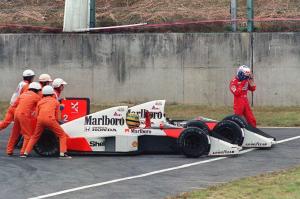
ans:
(241, 105)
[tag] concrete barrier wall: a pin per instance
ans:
(277, 68)
(193, 68)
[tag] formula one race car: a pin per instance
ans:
(106, 132)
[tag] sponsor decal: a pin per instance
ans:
(142, 114)
(74, 107)
(87, 129)
(233, 88)
(256, 144)
(223, 152)
(141, 131)
(134, 144)
(97, 144)
(104, 120)
(117, 114)
(155, 108)
(100, 128)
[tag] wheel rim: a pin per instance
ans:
(47, 145)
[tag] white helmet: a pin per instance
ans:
(47, 90)
(58, 82)
(45, 78)
(35, 85)
(245, 69)
(28, 73)
(243, 72)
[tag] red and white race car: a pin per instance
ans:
(106, 132)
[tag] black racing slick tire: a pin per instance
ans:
(239, 120)
(228, 131)
(47, 145)
(193, 142)
(198, 124)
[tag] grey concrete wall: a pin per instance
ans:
(277, 68)
(185, 68)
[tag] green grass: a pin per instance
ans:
(266, 116)
(277, 185)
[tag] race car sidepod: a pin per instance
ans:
(192, 142)
(106, 132)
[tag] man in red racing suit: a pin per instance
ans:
(239, 87)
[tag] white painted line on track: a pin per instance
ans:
(287, 140)
(279, 127)
(150, 173)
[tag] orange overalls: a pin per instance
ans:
(47, 117)
(9, 116)
(56, 94)
(24, 120)
(61, 106)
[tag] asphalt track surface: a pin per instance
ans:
(143, 176)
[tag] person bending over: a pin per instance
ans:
(47, 117)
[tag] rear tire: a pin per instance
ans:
(47, 145)
(239, 120)
(228, 131)
(193, 142)
(198, 124)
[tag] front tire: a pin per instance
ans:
(48, 145)
(239, 120)
(228, 131)
(193, 142)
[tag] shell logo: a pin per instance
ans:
(134, 144)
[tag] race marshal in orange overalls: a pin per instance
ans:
(47, 117)
(24, 120)
(28, 76)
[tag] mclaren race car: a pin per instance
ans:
(107, 132)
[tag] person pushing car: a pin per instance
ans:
(45, 79)
(58, 84)
(28, 76)
(239, 86)
(24, 120)
(47, 117)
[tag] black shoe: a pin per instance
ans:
(65, 156)
(10, 154)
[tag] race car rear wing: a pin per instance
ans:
(74, 108)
